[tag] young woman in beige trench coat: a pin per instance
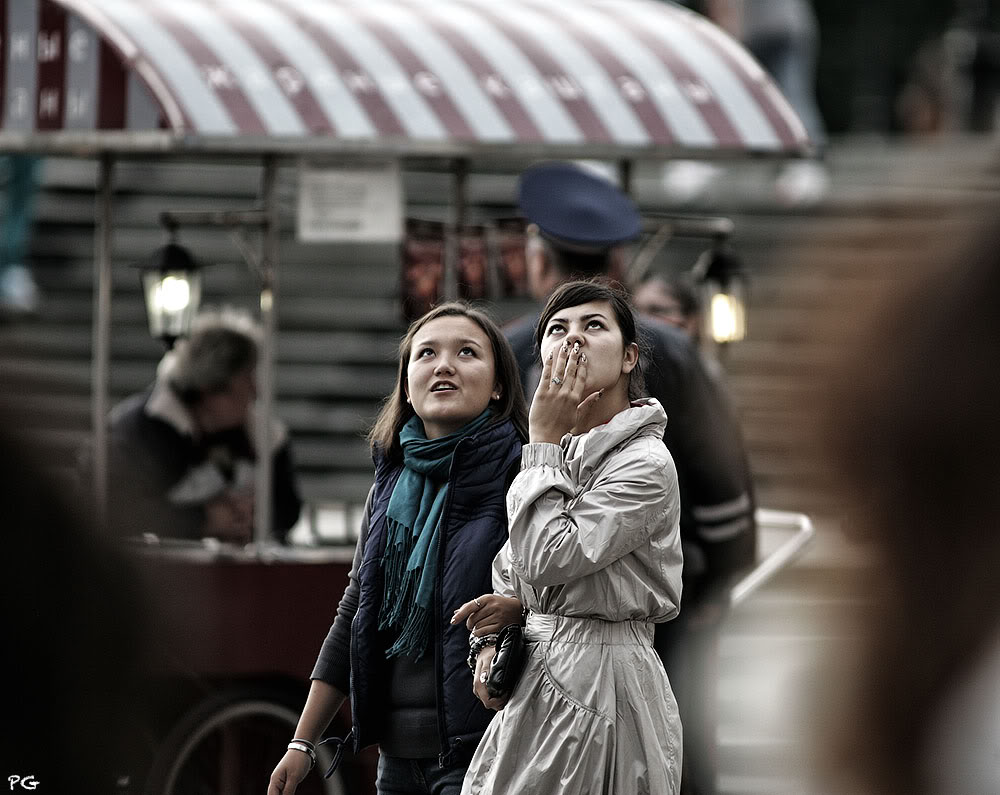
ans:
(594, 554)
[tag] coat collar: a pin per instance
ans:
(584, 453)
(164, 405)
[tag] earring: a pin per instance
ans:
(496, 396)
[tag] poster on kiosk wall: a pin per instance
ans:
(346, 204)
(489, 262)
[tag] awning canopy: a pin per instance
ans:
(623, 77)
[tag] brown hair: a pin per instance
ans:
(597, 289)
(396, 412)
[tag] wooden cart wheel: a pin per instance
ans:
(228, 744)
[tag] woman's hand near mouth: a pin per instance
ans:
(559, 405)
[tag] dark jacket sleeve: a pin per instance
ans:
(145, 458)
(334, 663)
(703, 435)
(521, 335)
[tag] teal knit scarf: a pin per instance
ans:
(410, 561)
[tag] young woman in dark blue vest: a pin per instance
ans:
(446, 445)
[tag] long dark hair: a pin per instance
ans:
(597, 289)
(396, 412)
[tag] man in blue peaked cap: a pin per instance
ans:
(580, 226)
(577, 210)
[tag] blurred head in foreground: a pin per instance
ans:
(915, 426)
(70, 616)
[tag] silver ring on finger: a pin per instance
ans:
(483, 677)
(478, 603)
(556, 380)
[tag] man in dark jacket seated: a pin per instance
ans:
(182, 454)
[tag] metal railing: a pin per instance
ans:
(800, 530)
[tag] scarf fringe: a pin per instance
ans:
(412, 640)
(404, 614)
(395, 561)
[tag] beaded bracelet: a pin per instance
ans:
(476, 645)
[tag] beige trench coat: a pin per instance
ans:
(595, 553)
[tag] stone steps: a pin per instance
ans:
(296, 312)
(73, 340)
(127, 376)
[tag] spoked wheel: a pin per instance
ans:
(228, 745)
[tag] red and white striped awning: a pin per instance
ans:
(636, 75)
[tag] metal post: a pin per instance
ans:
(453, 230)
(625, 176)
(263, 508)
(101, 335)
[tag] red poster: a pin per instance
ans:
(513, 266)
(472, 264)
(423, 266)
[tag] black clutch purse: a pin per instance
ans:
(508, 662)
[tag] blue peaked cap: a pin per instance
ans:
(570, 205)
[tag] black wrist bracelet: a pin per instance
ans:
(476, 645)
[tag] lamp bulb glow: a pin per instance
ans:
(727, 318)
(172, 294)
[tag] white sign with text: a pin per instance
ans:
(363, 204)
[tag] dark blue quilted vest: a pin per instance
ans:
(474, 529)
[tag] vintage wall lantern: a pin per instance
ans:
(723, 281)
(171, 283)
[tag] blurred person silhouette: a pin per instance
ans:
(914, 430)
(581, 226)
(18, 292)
(953, 80)
(928, 104)
(71, 615)
(784, 36)
(676, 300)
(972, 43)
(672, 300)
(183, 453)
